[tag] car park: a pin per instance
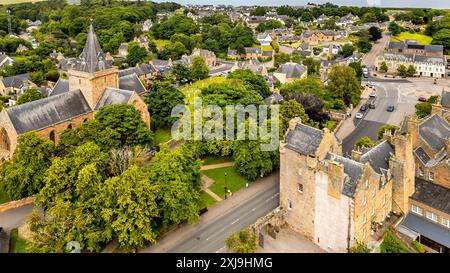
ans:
(390, 108)
(359, 115)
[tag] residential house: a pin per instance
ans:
(5, 60)
(412, 47)
(315, 37)
(424, 65)
(321, 19)
(264, 38)
(249, 53)
(346, 20)
(147, 25)
(123, 49)
(13, 84)
(253, 65)
(289, 72)
(254, 21)
(332, 48)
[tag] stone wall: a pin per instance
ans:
(16, 204)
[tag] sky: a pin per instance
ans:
(383, 3)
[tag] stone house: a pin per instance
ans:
(5, 60)
(412, 47)
(264, 39)
(290, 72)
(337, 201)
(315, 37)
(208, 56)
(123, 49)
(13, 84)
(92, 84)
(249, 53)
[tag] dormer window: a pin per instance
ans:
(430, 176)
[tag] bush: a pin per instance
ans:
(360, 247)
(241, 242)
(391, 244)
(417, 246)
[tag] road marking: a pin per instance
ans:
(235, 221)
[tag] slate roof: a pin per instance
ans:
(432, 230)
(304, 139)
(445, 99)
(378, 157)
(131, 82)
(254, 50)
(275, 98)
(45, 112)
(353, 171)
(432, 195)
(435, 132)
(114, 96)
(292, 70)
(16, 81)
(92, 58)
(61, 86)
(422, 155)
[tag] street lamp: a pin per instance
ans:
(225, 186)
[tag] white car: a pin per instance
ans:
(372, 84)
(373, 94)
(359, 115)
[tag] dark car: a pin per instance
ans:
(372, 105)
(363, 108)
(422, 99)
(390, 108)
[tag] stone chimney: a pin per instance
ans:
(356, 154)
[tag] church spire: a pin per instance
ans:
(92, 58)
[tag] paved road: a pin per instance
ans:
(377, 50)
(15, 217)
(211, 238)
(364, 128)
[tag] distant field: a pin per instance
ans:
(420, 38)
(9, 2)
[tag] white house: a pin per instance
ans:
(147, 25)
(264, 38)
(346, 20)
(425, 66)
(5, 60)
(332, 49)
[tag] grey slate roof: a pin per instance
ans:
(378, 157)
(353, 171)
(304, 139)
(445, 99)
(114, 96)
(131, 82)
(61, 86)
(435, 132)
(292, 70)
(42, 113)
(433, 195)
(275, 98)
(422, 155)
(434, 231)
(16, 81)
(92, 58)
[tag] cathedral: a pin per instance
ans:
(92, 83)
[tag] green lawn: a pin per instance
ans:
(206, 200)
(420, 38)
(17, 244)
(3, 197)
(192, 90)
(211, 160)
(162, 135)
(234, 181)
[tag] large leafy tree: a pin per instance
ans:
(375, 33)
(344, 84)
(309, 85)
(252, 81)
(290, 110)
(163, 97)
(174, 175)
(173, 25)
(199, 69)
(31, 94)
(233, 92)
(126, 120)
(130, 208)
(136, 54)
(24, 174)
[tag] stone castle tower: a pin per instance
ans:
(92, 74)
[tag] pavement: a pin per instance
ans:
(235, 213)
(288, 241)
(14, 218)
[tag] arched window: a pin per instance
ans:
(52, 136)
(5, 143)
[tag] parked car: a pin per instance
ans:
(372, 104)
(372, 84)
(363, 108)
(373, 94)
(390, 108)
(359, 115)
(422, 99)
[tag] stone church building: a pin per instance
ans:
(92, 84)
